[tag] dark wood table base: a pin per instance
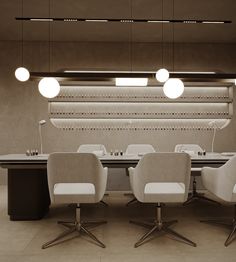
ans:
(28, 195)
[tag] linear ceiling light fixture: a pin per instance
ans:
(122, 20)
(77, 75)
(22, 74)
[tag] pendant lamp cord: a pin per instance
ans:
(49, 35)
(173, 36)
(131, 36)
(22, 36)
(162, 32)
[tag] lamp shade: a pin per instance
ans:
(22, 74)
(173, 88)
(162, 75)
(49, 87)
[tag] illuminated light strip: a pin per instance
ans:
(188, 72)
(41, 19)
(70, 20)
(131, 81)
(121, 20)
(96, 20)
(189, 22)
(159, 21)
(212, 22)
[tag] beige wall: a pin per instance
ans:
(21, 106)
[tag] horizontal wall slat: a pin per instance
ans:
(140, 94)
(141, 110)
(136, 124)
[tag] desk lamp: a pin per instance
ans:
(41, 123)
(216, 126)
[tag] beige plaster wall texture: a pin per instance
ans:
(21, 105)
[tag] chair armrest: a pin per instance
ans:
(137, 185)
(102, 183)
(131, 176)
(105, 171)
(210, 178)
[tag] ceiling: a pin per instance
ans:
(10, 29)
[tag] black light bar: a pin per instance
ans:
(122, 20)
(111, 75)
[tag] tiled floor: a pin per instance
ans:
(21, 241)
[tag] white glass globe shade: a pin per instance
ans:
(22, 74)
(162, 75)
(49, 87)
(173, 88)
(235, 81)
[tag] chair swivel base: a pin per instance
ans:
(160, 226)
(195, 196)
(78, 228)
(132, 201)
(231, 225)
(135, 201)
(104, 203)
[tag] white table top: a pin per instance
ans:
(44, 157)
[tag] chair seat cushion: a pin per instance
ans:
(74, 189)
(164, 192)
(74, 193)
(164, 188)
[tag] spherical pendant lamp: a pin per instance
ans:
(49, 87)
(22, 74)
(173, 88)
(162, 75)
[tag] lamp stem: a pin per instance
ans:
(40, 139)
(213, 140)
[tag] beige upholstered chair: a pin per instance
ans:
(193, 149)
(138, 149)
(160, 178)
(222, 183)
(97, 149)
(76, 178)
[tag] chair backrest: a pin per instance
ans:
(163, 167)
(74, 168)
(225, 180)
(188, 148)
(139, 149)
(90, 148)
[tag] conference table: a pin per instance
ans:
(28, 195)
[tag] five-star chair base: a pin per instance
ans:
(160, 227)
(77, 227)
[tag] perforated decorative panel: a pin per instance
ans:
(140, 108)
